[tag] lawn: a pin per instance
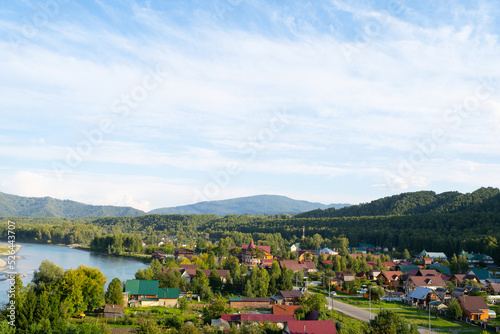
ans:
(421, 318)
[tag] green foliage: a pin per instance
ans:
(454, 310)
(388, 322)
(114, 293)
(48, 273)
(218, 306)
(183, 304)
(148, 326)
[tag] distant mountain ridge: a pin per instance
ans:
(253, 205)
(19, 206)
(420, 202)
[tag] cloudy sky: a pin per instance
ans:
(164, 103)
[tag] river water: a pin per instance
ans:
(67, 258)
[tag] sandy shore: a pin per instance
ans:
(7, 245)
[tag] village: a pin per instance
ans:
(273, 290)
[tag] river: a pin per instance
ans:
(67, 258)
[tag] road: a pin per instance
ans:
(361, 314)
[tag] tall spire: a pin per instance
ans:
(251, 245)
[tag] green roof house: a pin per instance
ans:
(146, 293)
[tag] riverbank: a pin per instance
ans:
(144, 258)
(5, 248)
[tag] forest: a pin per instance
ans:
(447, 222)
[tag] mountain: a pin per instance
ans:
(18, 206)
(420, 202)
(254, 205)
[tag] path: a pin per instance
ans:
(361, 314)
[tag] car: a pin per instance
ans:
(80, 316)
(333, 293)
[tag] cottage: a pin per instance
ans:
(431, 282)
(252, 254)
(285, 309)
(146, 293)
(474, 307)
(291, 297)
(390, 279)
(113, 311)
(183, 252)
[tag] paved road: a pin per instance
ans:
(360, 314)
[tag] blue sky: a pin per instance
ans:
(164, 103)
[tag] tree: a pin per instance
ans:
(406, 254)
(275, 269)
(92, 286)
(26, 313)
(285, 280)
(215, 281)
(217, 307)
(377, 291)
(70, 288)
(48, 273)
(183, 304)
(390, 323)
(308, 303)
(454, 310)
(114, 293)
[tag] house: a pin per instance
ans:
(458, 279)
(306, 255)
(463, 291)
(279, 319)
(493, 288)
(113, 311)
(310, 327)
(146, 293)
(390, 279)
(291, 297)
(285, 309)
(419, 296)
(431, 282)
(374, 274)
(481, 274)
(327, 251)
(433, 255)
(183, 252)
(252, 254)
(294, 247)
(474, 307)
(477, 259)
(249, 302)
(158, 255)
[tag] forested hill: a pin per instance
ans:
(481, 200)
(254, 205)
(18, 206)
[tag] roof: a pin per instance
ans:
(308, 265)
(310, 327)
(250, 299)
(251, 246)
(420, 293)
(113, 308)
(427, 272)
(482, 274)
(291, 294)
(444, 270)
(168, 293)
(392, 275)
(189, 266)
(313, 315)
(495, 287)
(406, 268)
(389, 264)
(427, 281)
(291, 265)
(473, 304)
(325, 250)
(436, 255)
(259, 317)
(285, 309)
(366, 245)
(142, 287)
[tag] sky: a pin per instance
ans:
(155, 104)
